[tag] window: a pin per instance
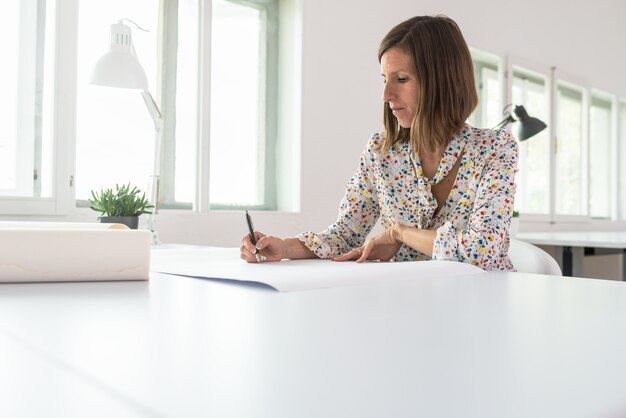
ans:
(600, 166)
(25, 82)
(570, 160)
(242, 128)
(488, 77)
(530, 90)
(243, 101)
(62, 137)
(572, 170)
(622, 157)
(114, 132)
(184, 113)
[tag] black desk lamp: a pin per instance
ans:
(528, 125)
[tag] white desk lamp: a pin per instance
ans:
(120, 68)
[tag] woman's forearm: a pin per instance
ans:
(421, 240)
(296, 250)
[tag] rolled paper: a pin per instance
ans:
(53, 225)
(63, 251)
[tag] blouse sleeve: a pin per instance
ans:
(358, 212)
(485, 241)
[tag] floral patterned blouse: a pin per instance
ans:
(472, 225)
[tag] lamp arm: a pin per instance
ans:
(506, 121)
(153, 109)
(157, 119)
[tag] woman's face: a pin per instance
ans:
(400, 89)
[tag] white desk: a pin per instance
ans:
(489, 345)
(575, 245)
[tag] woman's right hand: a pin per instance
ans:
(269, 248)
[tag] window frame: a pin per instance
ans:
(620, 144)
(553, 80)
(63, 201)
(599, 95)
(584, 156)
(268, 134)
(482, 59)
(63, 113)
(517, 68)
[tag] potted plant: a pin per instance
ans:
(124, 205)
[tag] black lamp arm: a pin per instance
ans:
(507, 120)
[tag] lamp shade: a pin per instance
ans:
(528, 125)
(120, 67)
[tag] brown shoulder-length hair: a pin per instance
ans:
(445, 79)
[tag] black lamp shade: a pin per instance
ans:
(528, 125)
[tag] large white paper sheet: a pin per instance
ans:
(292, 275)
(33, 252)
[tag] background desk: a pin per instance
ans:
(490, 345)
(574, 246)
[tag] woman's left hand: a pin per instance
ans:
(382, 247)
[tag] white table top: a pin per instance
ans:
(597, 239)
(489, 345)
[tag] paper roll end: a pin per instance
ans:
(117, 226)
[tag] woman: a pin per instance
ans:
(443, 190)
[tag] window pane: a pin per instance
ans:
(115, 133)
(22, 75)
(46, 177)
(600, 158)
(488, 113)
(492, 110)
(237, 122)
(8, 100)
(186, 101)
(569, 163)
(534, 164)
(622, 154)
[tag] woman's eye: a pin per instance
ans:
(402, 79)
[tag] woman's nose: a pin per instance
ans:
(387, 93)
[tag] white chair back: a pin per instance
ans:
(527, 258)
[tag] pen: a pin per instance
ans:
(251, 230)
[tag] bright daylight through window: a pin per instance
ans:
(488, 85)
(600, 176)
(25, 103)
(238, 110)
(569, 157)
(534, 163)
(115, 134)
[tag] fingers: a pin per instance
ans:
(353, 254)
(250, 252)
(358, 254)
(263, 241)
(247, 242)
(247, 255)
(251, 257)
(367, 250)
(350, 255)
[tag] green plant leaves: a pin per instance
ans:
(124, 201)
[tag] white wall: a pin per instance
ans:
(341, 86)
